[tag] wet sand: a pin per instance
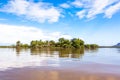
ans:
(91, 71)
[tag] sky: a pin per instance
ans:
(94, 21)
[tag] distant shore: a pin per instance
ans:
(109, 46)
(7, 46)
(98, 47)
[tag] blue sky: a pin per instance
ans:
(94, 21)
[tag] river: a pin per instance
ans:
(60, 64)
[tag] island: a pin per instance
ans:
(60, 43)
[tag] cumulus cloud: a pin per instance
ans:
(40, 11)
(95, 7)
(10, 34)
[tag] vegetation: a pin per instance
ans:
(61, 43)
(5, 46)
(77, 43)
(91, 46)
(19, 45)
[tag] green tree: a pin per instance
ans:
(33, 44)
(25, 46)
(65, 43)
(46, 43)
(77, 43)
(40, 44)
(87, 46)
(52, 43)
(18, 43)
(93, 46)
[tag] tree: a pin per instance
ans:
(52, 43)
(33, 44)
(87, 46)
(46, 43)
(18, 43)
(40, 43)
(93, 46)
(24, 45)
(77, 43)
(62, 42)
(65, 43)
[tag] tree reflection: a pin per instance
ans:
(64, 52)
(42, 51)
(77, 53)
(71, 53)
(91, 50)
(52, 52)
(18, 51)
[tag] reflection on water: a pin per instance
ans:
(49, 52)
(15, 58)
(118, 49)
(54, 75)
(19, 50)
(59, 64)
(56, 57)
(71, 53)
(92, 50)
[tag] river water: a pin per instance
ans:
(60, 64)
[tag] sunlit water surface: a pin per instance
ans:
(12, 58)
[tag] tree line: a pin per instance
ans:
(61, 43)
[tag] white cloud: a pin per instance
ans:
(81, 14)
(65, 5)
(95, 7)
(10, 34)
(77, 3)
(40, 12)
(112, 10)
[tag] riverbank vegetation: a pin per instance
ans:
(61, 43)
